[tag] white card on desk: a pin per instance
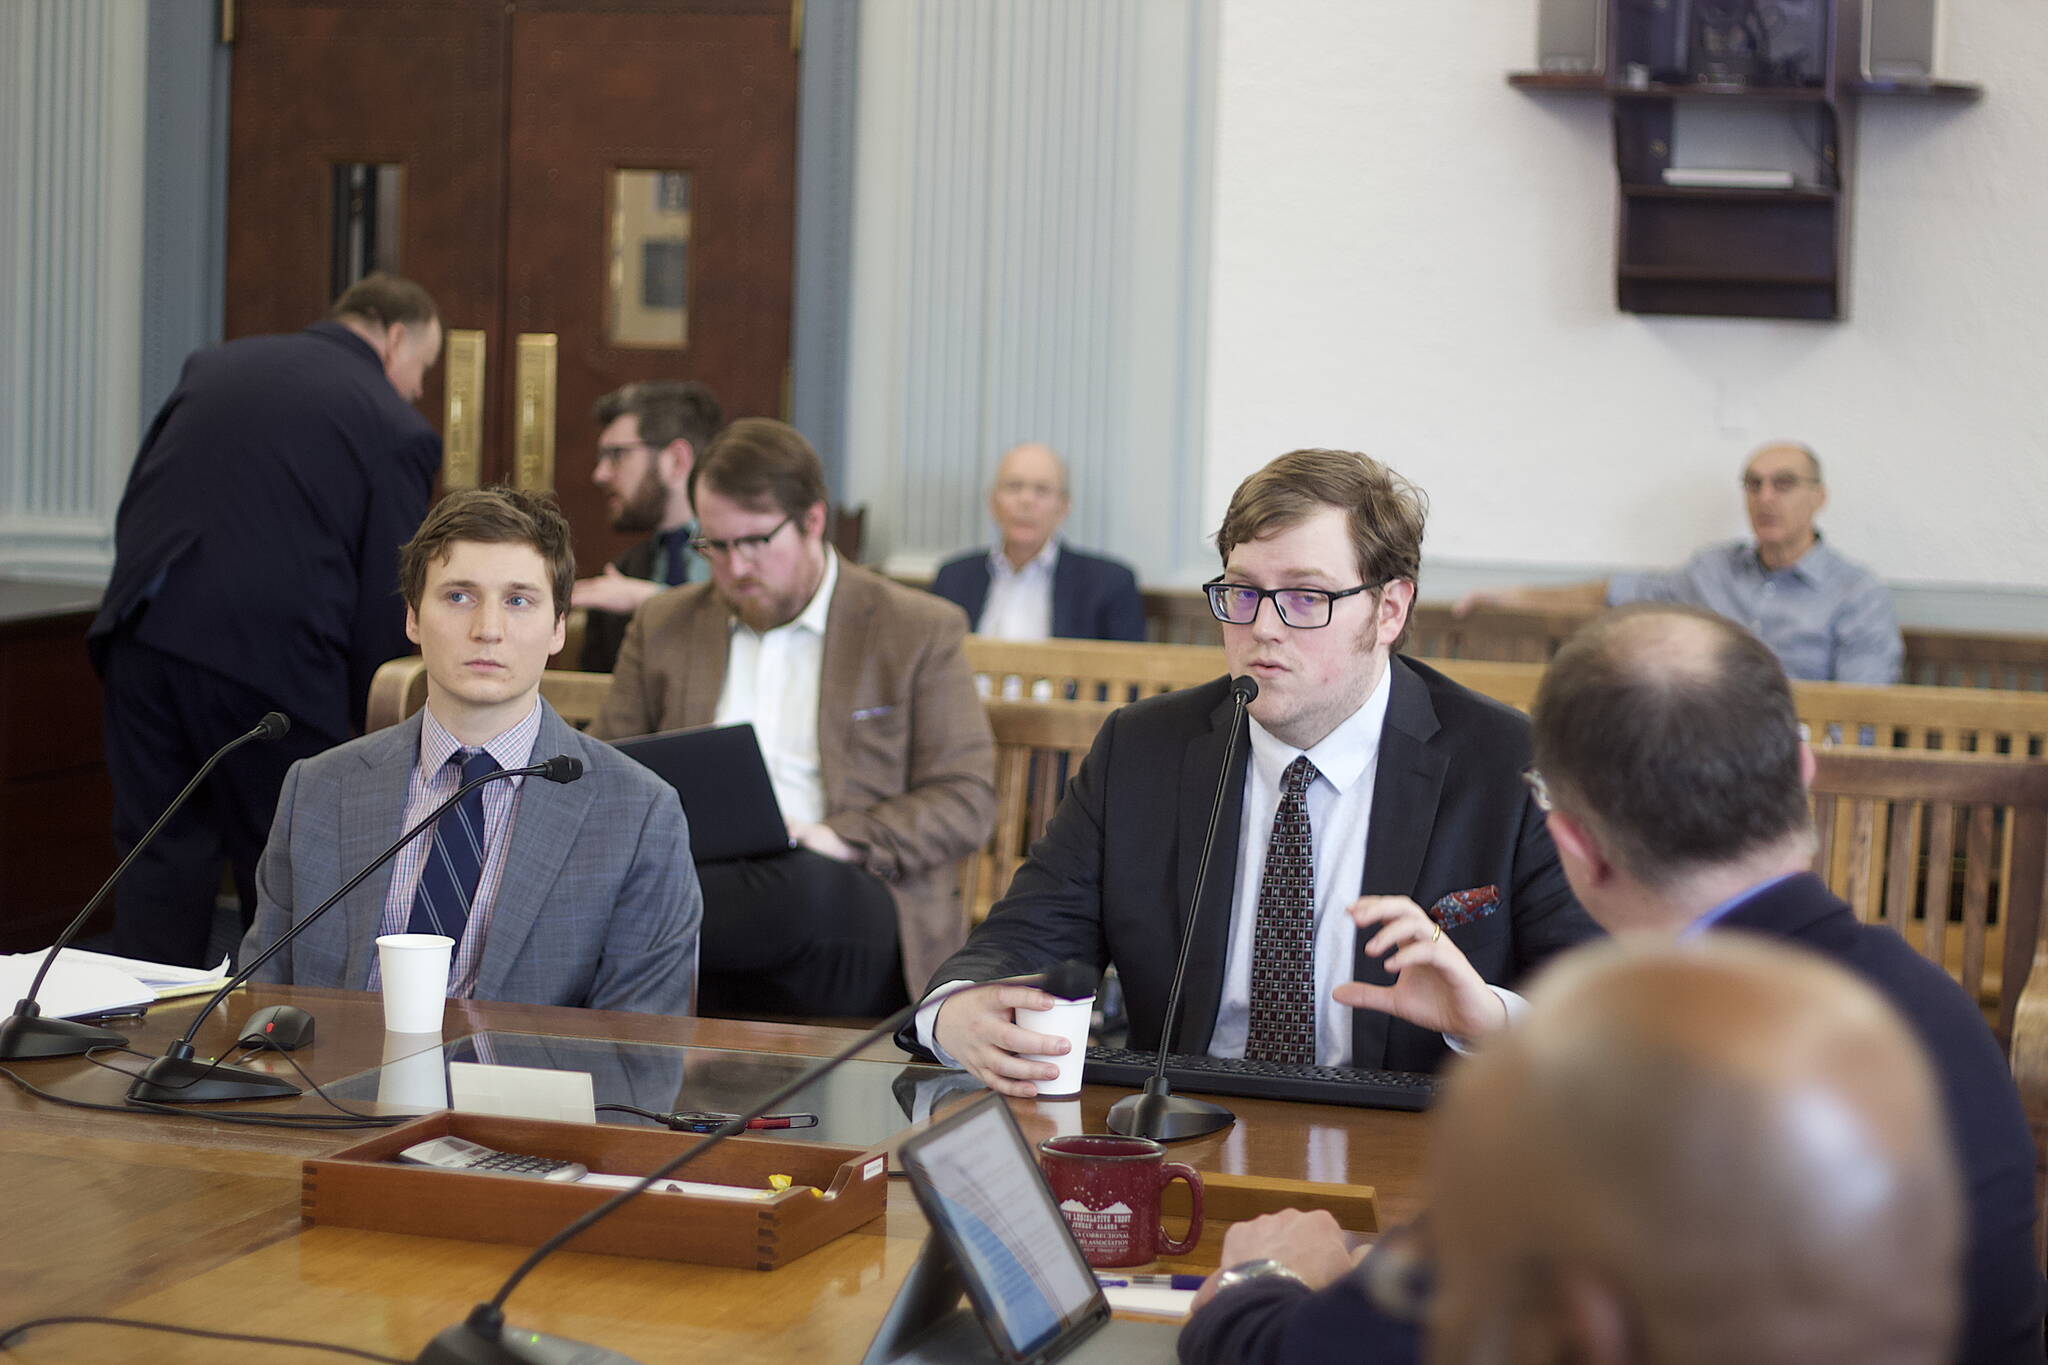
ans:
(521, 1092)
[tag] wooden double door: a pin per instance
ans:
(594, 191)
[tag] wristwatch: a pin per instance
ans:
(1245, 1272)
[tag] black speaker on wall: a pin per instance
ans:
(1898, 39)
(1651, 35)
(1571, 37)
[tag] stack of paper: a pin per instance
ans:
(82, 983)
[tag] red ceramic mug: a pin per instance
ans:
(1108, 1187)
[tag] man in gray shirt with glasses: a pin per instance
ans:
(1380, 868)
(1827, 618)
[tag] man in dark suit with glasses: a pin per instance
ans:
(1380, 868)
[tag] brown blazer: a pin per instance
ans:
(903, 743)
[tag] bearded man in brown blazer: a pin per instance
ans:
(876, 742)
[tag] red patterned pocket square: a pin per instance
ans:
(1462, 907)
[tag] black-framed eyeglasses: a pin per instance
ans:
(1538, 788)
(606, 454)
(1237, 604)
(1777, 483)
(741, 544)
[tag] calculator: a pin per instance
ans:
(460, 1154)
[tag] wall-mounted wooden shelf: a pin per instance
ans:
(1733, 251)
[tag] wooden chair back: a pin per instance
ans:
(1977, 720)
(1089, 670)
(1496, 633)
(399, 688)
(1948, 849)
(1967, 658)
(1038, 747)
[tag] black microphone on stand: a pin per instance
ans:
(484, 1339)
(1157, 1112)
(26, 1033)
(178, 1077)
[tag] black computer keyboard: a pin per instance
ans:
(1264, 1080)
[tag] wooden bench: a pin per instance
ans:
(1934, 658)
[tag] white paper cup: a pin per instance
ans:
(415, 971)
(414, 1074)
(1069, 1020)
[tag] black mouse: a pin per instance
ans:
(284, 1027)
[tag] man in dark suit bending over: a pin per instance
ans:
(256, 569)
(1034, 585)
(1668, 755)
(1379, 864)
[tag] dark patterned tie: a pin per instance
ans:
(675, 555)
(456, 862)
(1283, 993)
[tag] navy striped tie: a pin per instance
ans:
(456, 863)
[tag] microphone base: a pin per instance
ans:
(187, 1080)
(1167, 1118)
(26, 1035)
(463, 1344)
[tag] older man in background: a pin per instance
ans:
(1033, 585)
(1827, 618)
(256, 569)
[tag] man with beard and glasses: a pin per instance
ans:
(650, 436)
(876, 744)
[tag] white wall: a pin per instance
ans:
(1413, 259)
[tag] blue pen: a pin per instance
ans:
(1151, 1281)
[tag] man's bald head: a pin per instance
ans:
(1670, 733)
(1029, 501)
(1717, 1151)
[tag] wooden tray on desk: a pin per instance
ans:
(366, 1187)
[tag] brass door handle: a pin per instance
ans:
(533, 450)
(462, 427)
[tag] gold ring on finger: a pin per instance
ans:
(1436, 932)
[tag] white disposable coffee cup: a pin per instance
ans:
(414, 1074)
(1067, 1019)
(415, 971)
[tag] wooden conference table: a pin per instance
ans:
(185, 1221)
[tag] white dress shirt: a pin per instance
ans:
(771, 679)
(1347, 760)
(1019, 602)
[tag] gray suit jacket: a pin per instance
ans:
(598, 905)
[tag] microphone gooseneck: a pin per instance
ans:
(26, 1033)
(482, 1336)
(175, 1078)
(1158, 1113)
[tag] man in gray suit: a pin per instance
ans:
(555, 894)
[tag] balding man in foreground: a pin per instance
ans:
(1827, 618)
(1669, 761)
(1033, 585)
(1695, 1154)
